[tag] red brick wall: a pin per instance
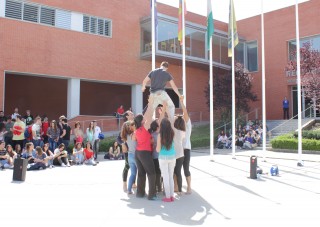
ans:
(279, 28)
(44, 50)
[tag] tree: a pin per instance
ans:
(222, 90)
(309, 70)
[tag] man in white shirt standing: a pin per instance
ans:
(96, 143)
(36, 132)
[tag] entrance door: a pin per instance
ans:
(294, 101)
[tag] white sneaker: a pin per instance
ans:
(63, 165)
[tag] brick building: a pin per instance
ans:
(89, 57)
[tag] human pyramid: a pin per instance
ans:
(159, 147)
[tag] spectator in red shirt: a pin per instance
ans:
(45, 126)
(119, 114)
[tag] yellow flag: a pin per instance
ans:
(232, 24)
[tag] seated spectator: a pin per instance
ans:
(40, 161)
(18, 150)
(61, 156)
(248, 141)
(12, 155)
(29, 153)
(77, 154)
(89, 155)
(256, 137)
(114, 151)
(49, 154)
(239, 140)
(223, 140)
(3, 156)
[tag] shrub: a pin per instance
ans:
(307, 134)
(289, 141)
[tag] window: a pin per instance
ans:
(252, 56)
(63, 19)
(239, 53)
(30, 13)
(47, 16)
(93, 25)
(313, 40)
(97, 26)
(13, 10)
(86, 23)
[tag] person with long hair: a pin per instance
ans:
(12, 155)
(179, 129)
(167, 157)
(78, 133)
(53, 134)
(129, 147)
(186, 142)
(18, 150)
(90, 133)
(89, 155)
(40, 160)
(154, 130)
(77, 154)
(143, 154)
(114, 151)
(49, 154)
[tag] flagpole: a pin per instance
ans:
(233, 122)
(153, 35)
(299, 87)
(184, 56)
(211, 105)
(264, 116)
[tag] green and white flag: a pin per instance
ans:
(210, 26)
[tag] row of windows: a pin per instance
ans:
(195, 42)
(55, 17)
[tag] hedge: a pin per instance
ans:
(307, 134)
(289, 141)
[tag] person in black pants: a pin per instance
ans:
(143, 156)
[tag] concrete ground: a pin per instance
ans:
(223, 195)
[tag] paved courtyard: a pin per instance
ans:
(223, 195)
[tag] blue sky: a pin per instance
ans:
(243, 8)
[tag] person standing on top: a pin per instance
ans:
(159, 78)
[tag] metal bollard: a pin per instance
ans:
(253, 167)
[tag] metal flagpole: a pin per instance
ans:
(153, 35)
(184, 56)
(211, 105)
(264, 116)
(299, 87)
(233, 90)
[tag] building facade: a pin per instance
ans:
(89, 57)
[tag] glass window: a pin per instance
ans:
(239, 53)
(314, 41)
(146, 37)
(100, 26)
(63, 19)
(197, 45)
(252, 56)
(86, 23)
(215, 49)
(168, 37)
(224, 52)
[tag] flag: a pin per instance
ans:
(210, 25)
(180, 26)
(155, 17)
(232, 24)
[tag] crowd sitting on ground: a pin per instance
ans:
(46, 144)
(248, 136)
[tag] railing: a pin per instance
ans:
(112, 125)
(284, 124)
(245, 117)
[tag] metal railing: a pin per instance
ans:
(284, 125)
(242, 117)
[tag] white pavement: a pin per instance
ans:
(223, 195)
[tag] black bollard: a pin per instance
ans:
(253, 167)
(20, 169)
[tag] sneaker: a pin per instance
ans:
(2, 167)
(63, 165)
(167, 200)
(154, 198)
(68, 165)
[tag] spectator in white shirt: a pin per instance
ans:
(96, 143)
